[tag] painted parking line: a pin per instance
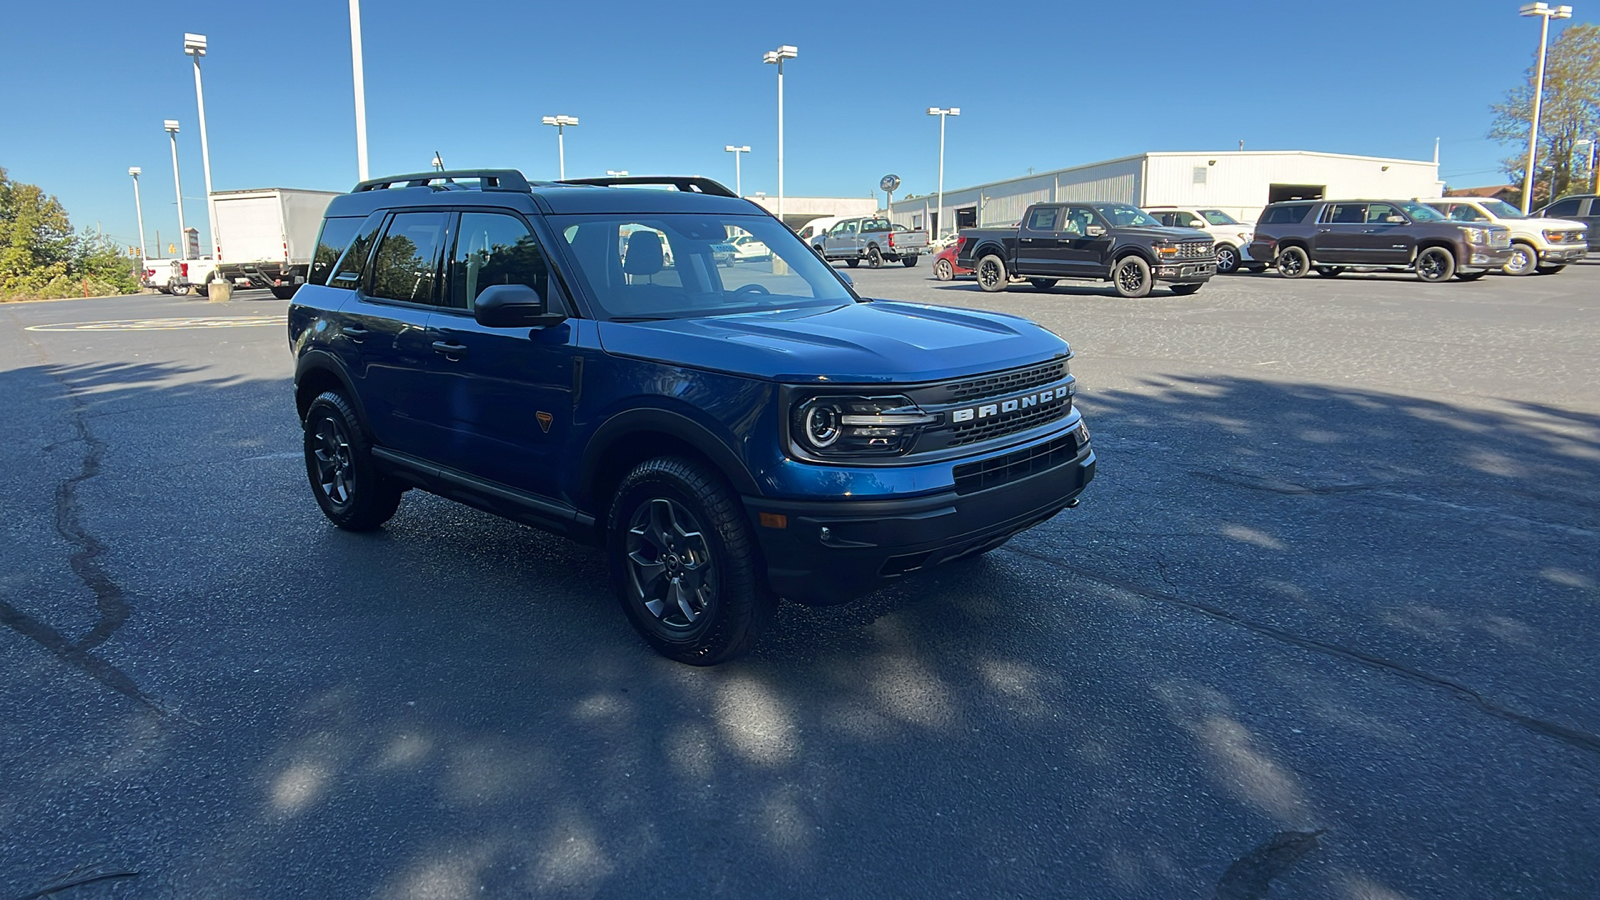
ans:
(163, 324)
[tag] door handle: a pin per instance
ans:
(354, 332)
(449, 349)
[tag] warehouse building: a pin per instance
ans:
(1238, 182)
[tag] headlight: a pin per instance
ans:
(856, 426)
(1247, 236)
(1476, 235)
(1164, 248)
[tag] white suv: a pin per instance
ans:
(1232, 236)
(1537, 244)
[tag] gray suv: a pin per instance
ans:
(1584, 208)
(1332, 236)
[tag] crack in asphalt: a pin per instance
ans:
(1250, 877)
(1582, 740)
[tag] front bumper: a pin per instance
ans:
(831, 551)
(1196, 271)
(1482, 256)
(1564, 254)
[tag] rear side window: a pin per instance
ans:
(1044, 218)
(406, 266)
(493, 248)
(335, 236)
(1284, 215)
(347, 272)
(1562, 208)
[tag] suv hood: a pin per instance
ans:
(858, 343)
(1541, 223)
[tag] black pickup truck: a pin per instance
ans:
(1111, 242)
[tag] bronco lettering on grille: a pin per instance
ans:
(994, 409)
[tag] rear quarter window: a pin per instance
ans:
(331, 243)
(1284, 215)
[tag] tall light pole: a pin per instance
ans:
(438, 162)
(776, 58)
(361, 88)
(138, 209)
(738, 181)
(195, 46)
(177, 183)
(1545, 12)
(561, 123)
(941, 113)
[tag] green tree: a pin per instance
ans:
(41, 256)
(1570, 113)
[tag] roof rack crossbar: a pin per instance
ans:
(686, 183)
(488, 180)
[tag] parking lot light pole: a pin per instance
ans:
(195, 46)
(561, 123)
(738, 181)
(776, 58)
(177, 183)
(360, 75)
(941, 113)
(138, 209)
(1545, 12)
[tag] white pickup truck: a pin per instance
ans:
(872, 240)
(268, 235)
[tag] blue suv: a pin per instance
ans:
(575, 356)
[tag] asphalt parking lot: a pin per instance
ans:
(1323, 627)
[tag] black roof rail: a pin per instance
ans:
(686, 183)
(488, 180)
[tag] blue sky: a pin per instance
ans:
(661, 87)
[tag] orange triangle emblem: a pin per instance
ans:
(544, 420)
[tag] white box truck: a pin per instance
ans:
(268, 235)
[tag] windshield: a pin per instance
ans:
(1218, 217)
(1124, 216)
(647, 267)
(1502, 210)
(1420, 212)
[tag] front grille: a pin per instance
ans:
(1196, 250)
(980, 430)
(990, 473)
(1006, 382)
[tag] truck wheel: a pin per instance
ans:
(1330, 271)
(874, 258)
(1435, 264)
(285, 293)
(852, 262)
(1227, 259)
(1131, 275)
(1293, 262)
(683, 562)
(992, 275)
(353, 494)
(177, 288)
(943, 271)
(1184, 290)
(203, 288)
(1043, 284)
(1524, 259)
(909, 261)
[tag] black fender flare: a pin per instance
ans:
(319, 362)
(674, 424)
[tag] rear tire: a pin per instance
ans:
(1227, 259)
(992, 274)
(1293, 262)
(1524, 259)
(1043, 284)
(1435, 264)
(943, 270)
(285, 293)
(874, 258)
(909, 261)
(353, 494)
(684, 563)
(1184, 290)
(1131, 277)
(177, 288)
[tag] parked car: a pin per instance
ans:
(747, 249)
(1111, 242)
(1583, 208)
(729, 436)
(945, 266)
(814, 229)
(1537, 245)
(1231, 236)
(267, 236)
(1332, 236)
(872, 240)
(177, 276)
(723, 253)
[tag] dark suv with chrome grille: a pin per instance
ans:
(572, 356)
(1332, 236)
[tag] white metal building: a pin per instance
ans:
(1239, 182)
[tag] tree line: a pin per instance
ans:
(42, 257)
(1570, 113)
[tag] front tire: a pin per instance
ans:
(992, 274)
(943, 270)
(1293, 262)
(1043, 284)
(1131, 276)
(909, 261)
(683, 562)
(1227, 259)
(1524, 259)
(1435, 264)
(353, 494)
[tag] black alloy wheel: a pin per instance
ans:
(944, 271)
(1131, 276)
(1436, 264)
(347, 485)
(909, 261)
(1227, 259)
(874, 258)
(1293, 262)
(992, 275)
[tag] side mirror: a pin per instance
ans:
(1095, 231)
(513, 306)
(1195, 223)
(1394, 220)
